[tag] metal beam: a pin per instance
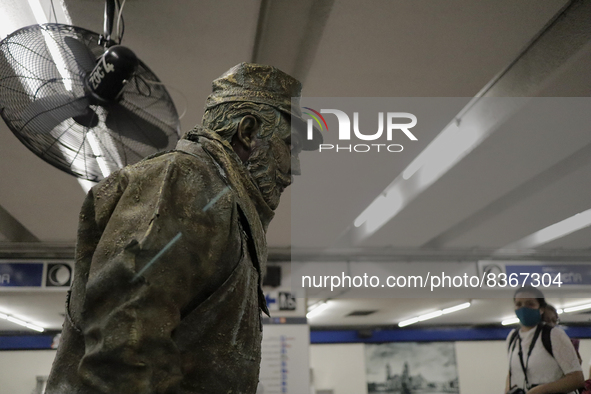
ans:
(431, 255)
(43, 250)
(288, 34)
(547, 56)
(36, 250)
(13, 230)
(550, 55)
(527, 189)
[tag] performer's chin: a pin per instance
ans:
(272, 195)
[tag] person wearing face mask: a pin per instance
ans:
(532, 369)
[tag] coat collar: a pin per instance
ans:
(250, 201)
(231, 169)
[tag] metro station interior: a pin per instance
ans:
(496, 181)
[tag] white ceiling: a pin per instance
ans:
(45, 309)
(516, 182)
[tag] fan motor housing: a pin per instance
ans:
(106, 81)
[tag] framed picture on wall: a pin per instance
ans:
(411, 368)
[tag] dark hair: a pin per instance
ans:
(537, 294)
(551, 308)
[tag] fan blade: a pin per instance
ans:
(82, 54)
(44, 114)
(128, 124)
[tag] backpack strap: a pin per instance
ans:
(512, 339)
(546, 341)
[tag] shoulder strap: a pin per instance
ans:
(537, 333)
(512, 339)
(524, 366)
(546, 341)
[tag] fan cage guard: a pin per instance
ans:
(41, 77)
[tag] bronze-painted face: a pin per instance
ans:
(273, 161)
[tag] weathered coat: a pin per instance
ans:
(191, 322)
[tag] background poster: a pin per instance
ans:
(411, 368)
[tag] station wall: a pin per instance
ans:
(482, 367)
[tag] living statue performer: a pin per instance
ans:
(171, 251)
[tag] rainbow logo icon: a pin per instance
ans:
(316, 118)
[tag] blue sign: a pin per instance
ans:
(567, 274)
(270, 300)
(21, 274)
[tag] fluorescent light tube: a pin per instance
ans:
(508, 322)
(431, 315)
(408, 322)
(54, 50)
(456, 308)
(318, 310)
(17, 321)
(20, 322)
(34, 327)
(577, 308)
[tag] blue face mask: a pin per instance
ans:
(528, 317)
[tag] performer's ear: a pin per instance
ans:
(243, 141)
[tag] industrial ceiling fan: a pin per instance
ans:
(81, 101)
